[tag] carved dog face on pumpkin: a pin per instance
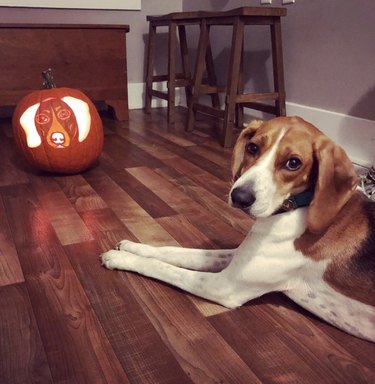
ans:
(58, 121)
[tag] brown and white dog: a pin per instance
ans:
(313, 238)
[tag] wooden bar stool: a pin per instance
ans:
(176, 21)
(235, 98)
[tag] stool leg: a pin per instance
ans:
(239, 107)
(150, 66)
(198, 72)
(212, 79)
(278, 68)
(172, 41)
(232, 84)
(185, 62)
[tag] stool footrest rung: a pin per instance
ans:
(210, 89)
(261, 107)
(206, 109)
(159, 94)
(182, 82)
(251, 97)
(160, 78)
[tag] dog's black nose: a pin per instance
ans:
(242, 198)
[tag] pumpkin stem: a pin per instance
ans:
(48, 81)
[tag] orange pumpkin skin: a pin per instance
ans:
(58, 130)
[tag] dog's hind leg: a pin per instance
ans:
(195, 259)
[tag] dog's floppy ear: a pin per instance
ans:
(239, 148)
(335, 184)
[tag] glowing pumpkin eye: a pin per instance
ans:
(42, 118)
(64, 114)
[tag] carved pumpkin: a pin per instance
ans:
(58, 130)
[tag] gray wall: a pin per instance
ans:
(329, 46)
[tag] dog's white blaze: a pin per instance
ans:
(259, 179)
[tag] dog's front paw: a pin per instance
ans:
(112, 259)
(125, 245)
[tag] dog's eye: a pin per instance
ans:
(252, 148)
(293, 164)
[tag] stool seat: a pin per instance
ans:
(197, 15)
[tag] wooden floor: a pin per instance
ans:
(66, 319)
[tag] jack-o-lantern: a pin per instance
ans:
(58, 130)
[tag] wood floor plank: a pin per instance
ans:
(301, 333)
(235, 218)
(200, 175)
(203, 178)
(160, 153)
(141, 351)
(101, 220)
(176, 139)
(194, 212)
(266, 353)
(22, 356)
(76, 346)
(69, 227)
(309, 335)
(13, 168)
(214, 156)
(131, 214)
(158, 125)
(212, 183)
(127, 155)
(148, 199)
(185, 233)
(363, 351)
(183, 152)
(80, 193)
(192, 339)
(10, 268)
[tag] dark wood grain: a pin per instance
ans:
(76, 347)
(10, 268)
(66, 319)
(22, 355)
(299, 352)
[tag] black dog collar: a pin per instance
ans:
(302, 199)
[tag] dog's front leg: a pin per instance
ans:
(216, 287)
(196, 259)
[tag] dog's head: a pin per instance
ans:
(284, 157)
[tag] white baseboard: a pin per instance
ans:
(136, 96)
(355, 135)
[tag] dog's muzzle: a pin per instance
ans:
(242, 198)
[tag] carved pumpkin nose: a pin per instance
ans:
(58, 138)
